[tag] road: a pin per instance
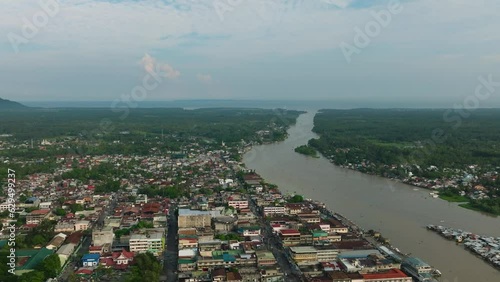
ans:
(86, 241)
(172, 250)
(273, 243)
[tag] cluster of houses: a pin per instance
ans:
(231, 226)
(323, 246)
(224, 244)
(238, 237)
(77, 211)
(488, 248)
(467, 180)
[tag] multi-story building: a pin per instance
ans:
(188, 241)
(309, 254)
(102, 236)
(64, 226)
(304, 254)
(81, 225)
(193, 218)
(265, 258)
(37, 216)
(141, 243)
(327, 254)
(273, 210)
(238, 204)
(290, 237)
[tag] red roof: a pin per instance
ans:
(107, 261)
(38, 212)
(74, 237)
(126, 254)
(392, 273)
(95, 248)
(290, 232)
(84, 271)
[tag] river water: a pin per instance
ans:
(399, 211)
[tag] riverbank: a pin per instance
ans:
(297, 225)
(485, 247)
(393, 143)
(465, 201)
(398, 211)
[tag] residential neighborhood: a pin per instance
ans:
(199, 212)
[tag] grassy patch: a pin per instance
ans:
(470, 207)
(454, 198)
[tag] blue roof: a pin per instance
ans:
(228, 257)
(31, 199)
(91, 257)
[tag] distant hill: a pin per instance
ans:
(7, 104)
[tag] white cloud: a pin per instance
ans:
(205, 78)
(493, 58)
(111, 36)
(150, 65)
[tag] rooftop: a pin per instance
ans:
(392, 273)
(39, 212)
(187, 212)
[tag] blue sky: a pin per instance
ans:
(430, 52)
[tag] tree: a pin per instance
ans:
(32, 276)
(76, 207)
(50, 266)
(73, 277)
(296, 199)
(38, 240)
(146, 268)
(60, 212)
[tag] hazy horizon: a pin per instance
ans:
(385, 52)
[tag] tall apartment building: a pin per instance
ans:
(193, 218)
(153, 243)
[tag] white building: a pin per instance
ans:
(238, 204)
(153, 243)
(272, 210)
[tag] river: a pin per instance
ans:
(399, 211)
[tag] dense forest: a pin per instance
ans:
(404, 136)
(221, 124)
(433, 145)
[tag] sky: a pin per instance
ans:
(415, 52)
